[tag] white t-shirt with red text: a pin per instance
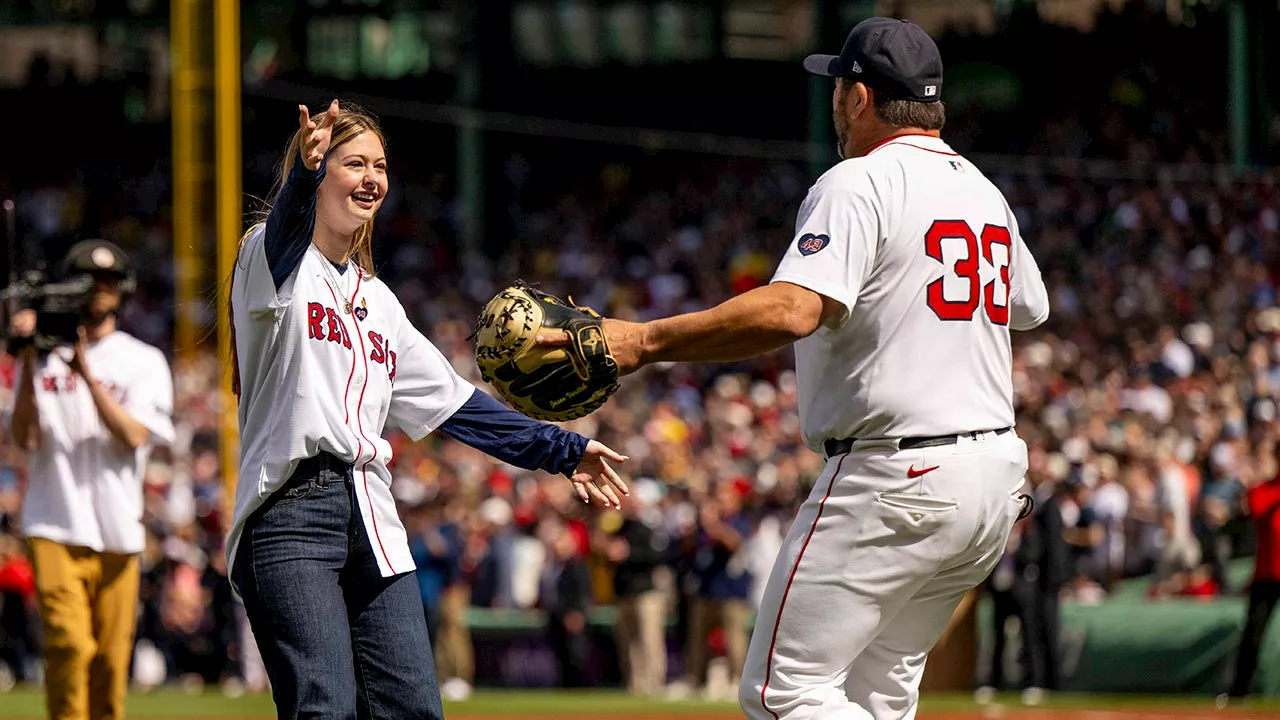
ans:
(85, 487)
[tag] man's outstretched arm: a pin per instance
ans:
(754, 323)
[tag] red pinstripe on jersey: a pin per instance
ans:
(364, 469)
(364, 474)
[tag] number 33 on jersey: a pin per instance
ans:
(924, 254)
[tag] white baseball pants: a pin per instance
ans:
(870, 573)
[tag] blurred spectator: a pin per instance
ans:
(1027, 583)
(19, 617)
(1041, 567)
(1179, 550)
(488, 554)
(436, 545)
(1084, 535)
(1111, 504)
(436, 540)
(1004, 605)
(1219, 507)
(1263, 503)
(565, 594)
(637, 548)
(724, 583)
(185, 628)
(189, 616)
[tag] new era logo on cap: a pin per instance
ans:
(855, 67)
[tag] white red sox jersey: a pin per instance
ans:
(924, 254)
(85, 487)
(317, 377)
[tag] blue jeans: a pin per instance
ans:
(338, 640)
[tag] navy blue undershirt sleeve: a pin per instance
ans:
(495, 429)
(292, 220)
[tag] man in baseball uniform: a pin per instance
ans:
(88, 416)
(906, 275)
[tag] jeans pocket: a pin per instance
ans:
(301, 488)
(296, 492)
(914, 511)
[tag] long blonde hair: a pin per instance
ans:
(352, 120)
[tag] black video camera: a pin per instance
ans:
(58, 305)
(60, 300)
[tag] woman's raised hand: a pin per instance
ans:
(313, 137)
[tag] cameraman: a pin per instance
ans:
(87, 415)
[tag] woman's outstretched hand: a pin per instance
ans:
(594, 478)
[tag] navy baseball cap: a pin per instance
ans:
(895, 57)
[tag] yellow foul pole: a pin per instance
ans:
(187, 86)
(229, 219)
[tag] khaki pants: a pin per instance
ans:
(454, 655)
(89, 606)
(641, 637)
(707, 613)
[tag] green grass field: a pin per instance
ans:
(29, 705)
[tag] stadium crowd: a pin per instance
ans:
(1149, 400)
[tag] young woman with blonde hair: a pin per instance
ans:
(325, 359)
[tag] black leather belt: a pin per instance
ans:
(835, 447)
(312, 466)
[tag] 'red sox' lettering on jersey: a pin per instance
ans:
(69, 382)
(324, 324)
(381, 352)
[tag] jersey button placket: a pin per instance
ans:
(353, 412)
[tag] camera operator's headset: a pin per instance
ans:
(93, 257)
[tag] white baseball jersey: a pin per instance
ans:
(315, 377)
(924, 254)
(85, 487)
